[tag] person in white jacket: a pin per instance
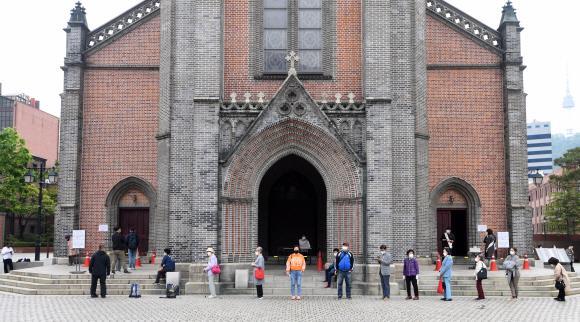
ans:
(479, 265)
(7, 253)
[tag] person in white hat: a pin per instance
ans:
(211, 263)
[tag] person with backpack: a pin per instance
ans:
(167, 265)
(132, 245)
(344, 265)
(512, 271)
(446, 272)
(480, 274)
(99, 268)
(411, 273)
(259, 273)
(119, 247)
(211, 271)
(295, 266)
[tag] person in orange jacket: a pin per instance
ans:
(295, 266)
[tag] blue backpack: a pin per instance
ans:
(344, 262)
(170, 265)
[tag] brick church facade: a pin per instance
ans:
(193, 122)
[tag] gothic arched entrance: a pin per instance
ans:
(292, 203)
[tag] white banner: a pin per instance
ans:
(503, 239)
(78, 239)
(104, 227)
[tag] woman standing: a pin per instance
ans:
(479, 266)
(512, 271)
(446, 272)
(411, 273)
(211, 263)
(489, 242)
(259, 272)
(561, 278)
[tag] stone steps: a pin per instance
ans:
(285, 291)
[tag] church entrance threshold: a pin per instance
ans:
(292, 204)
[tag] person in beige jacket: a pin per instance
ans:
(561, 278)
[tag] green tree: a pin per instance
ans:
(17, 197)
(563, 212)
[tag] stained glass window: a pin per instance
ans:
(310, 35)
(275, 35)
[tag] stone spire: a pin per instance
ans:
(508, 14)
(78, 14)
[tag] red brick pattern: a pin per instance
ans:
(458, 198)
(446, 45)
(238, 77)
(138, 47)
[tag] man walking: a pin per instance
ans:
(132, 245)
(7, 253)
(386, 260)
(100, 268)
(344, 266)
(295, 266)
(119, 246)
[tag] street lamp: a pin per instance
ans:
(42, 182)
(537, 177)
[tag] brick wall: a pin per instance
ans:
(39, 130)
(466, 119)
(120, 121)
(238, 77)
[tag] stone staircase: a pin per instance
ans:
(34, 283)
(495, 285)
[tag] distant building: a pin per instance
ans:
(567, 123)
(39, 129)
(540, 147)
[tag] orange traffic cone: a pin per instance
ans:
(319, 261)
(526, 262)
(493, 265)
(153, 258)
(138, 262)
(438, 264)
(87, 261)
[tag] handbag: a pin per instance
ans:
(259, 274)
(560, 285)
(216, 270)
(482, 274)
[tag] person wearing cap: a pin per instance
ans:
(211, 262)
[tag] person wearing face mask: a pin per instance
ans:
(331, 269)
(489, 244)
(258, 265)
(411, 273)
(561, 278)
(211, 262)
(479, 265)
(295, 266)
(447, 239)
(344, 265)
(512, 271)
(446, 272)
(385, 259)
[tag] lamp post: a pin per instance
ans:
(29, 178)
(537, 177)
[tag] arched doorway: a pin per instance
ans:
(292, 203)
(455, 204)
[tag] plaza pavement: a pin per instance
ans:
(15, 307)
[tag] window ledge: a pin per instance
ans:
(283, 76)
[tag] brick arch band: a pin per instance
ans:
(114, 198)
(244, 173)
(473, 207)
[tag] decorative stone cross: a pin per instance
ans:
(351, 97)
(292, 58)
(338, 96)
(233, 97)
(247, 96)
(261, 97)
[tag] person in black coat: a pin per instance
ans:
(100, 268)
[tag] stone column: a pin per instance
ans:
(519, 217)
(67, 212)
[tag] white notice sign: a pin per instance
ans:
(78, 239)
(481, 228)
(503, 239)
(104, 227)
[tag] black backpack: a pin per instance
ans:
(171, 291)
(482, 274)
(132, 241)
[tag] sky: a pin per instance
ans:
(32, 48)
